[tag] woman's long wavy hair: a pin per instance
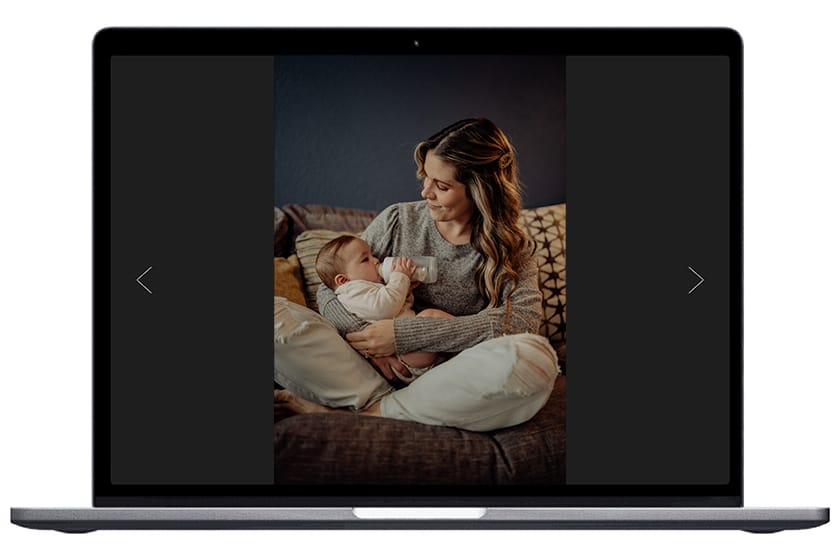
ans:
(485, 162)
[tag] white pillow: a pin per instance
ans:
(315, 363)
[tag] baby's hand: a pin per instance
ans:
(404, 265)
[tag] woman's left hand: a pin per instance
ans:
(375, 340)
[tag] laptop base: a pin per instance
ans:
(756, 520)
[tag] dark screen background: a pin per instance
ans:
(193, 182)
(191, 363)
(648, 388)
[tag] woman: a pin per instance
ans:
(468, 219)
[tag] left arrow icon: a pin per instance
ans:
(141, 283)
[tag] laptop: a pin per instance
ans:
(619, 407)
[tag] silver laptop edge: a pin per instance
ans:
(755, 520)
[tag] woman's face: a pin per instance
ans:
(446, 197)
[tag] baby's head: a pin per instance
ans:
(346, 258)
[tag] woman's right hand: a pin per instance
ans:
(384, 364)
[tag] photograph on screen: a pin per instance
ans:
(419, 270)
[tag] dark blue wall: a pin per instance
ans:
(346, 126)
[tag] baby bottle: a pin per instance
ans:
(426, 272)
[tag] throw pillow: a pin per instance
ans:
(287, 279)
(547, 227)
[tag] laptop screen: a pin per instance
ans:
(417, 267)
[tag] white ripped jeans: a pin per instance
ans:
(495, 384)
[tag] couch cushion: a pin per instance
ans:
(348, 448)
(303, 217)
(282, 238)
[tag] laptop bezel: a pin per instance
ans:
(243, 41)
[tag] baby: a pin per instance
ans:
(347, 267)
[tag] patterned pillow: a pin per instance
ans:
(307, 246)
(547, 226)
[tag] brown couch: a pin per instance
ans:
(360, 450)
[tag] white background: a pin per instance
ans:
(792, 273)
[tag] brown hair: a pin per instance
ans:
(328, 263)
(485, 161)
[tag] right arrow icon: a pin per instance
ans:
(698, 283)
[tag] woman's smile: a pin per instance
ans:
(445, 196)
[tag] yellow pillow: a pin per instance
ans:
(287, 279)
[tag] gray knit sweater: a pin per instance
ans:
(406, 229)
